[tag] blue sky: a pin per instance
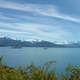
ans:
(51, 20)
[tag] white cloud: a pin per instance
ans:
(44, 10)
(61, 16)
(3, 17)
(35, 31)
(12, 32)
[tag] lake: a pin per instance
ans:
(39, 56)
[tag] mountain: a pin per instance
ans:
(5, 42)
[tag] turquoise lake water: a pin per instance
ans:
(39, 56)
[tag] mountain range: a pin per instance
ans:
(8, 42)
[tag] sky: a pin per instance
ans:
(50, 20)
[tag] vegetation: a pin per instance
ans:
(33, 72)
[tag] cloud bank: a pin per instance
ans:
(40, 9)
(37, 21)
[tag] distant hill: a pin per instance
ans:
(5, 42)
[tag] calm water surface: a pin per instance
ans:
(39, 56)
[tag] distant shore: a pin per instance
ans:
(7, 42)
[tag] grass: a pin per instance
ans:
(32, 72)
